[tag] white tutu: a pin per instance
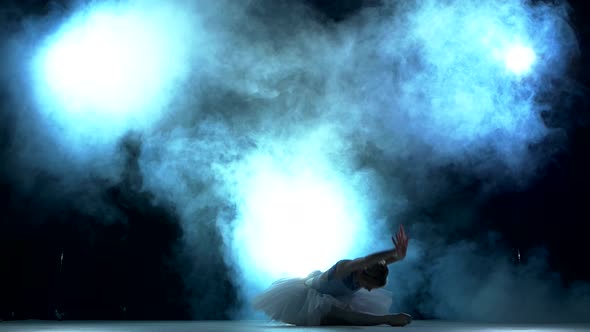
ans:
(292, 301)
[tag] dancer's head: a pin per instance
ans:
(374, 276)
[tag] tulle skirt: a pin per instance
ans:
(291, 301)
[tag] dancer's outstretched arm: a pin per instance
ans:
(338, 316)
(400, 241)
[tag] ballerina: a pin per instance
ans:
(349, 293)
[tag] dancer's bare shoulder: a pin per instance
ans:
(343, 268)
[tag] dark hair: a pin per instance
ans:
(376, 274)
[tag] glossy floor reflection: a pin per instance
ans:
(243, 326)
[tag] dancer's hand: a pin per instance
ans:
(400, 241)
(401, 319)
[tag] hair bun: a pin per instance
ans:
(377, 274)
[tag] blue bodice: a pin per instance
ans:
(333, 286)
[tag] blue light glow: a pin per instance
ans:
(111, 67)
(99, 64)
(287, 218)
(472, 74)
(519, 59)
(297, 212)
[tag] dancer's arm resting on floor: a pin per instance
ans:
(339, 316)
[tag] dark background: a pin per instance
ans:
(125, 270)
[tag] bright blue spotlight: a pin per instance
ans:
(519, 59)
(286, 217)
(297, 211)
(106, 63)
(465, 91)
(111, 67)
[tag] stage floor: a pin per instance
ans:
(247, 326)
